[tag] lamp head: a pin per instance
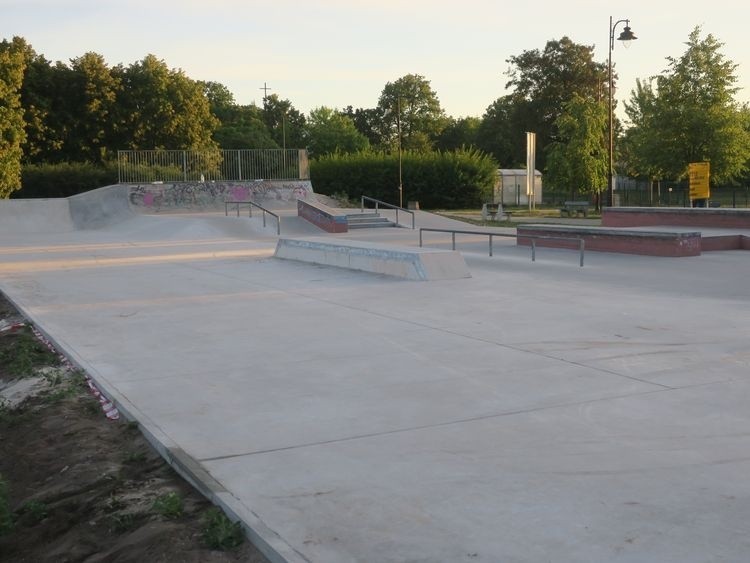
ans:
(627, 36)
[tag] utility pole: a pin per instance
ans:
(265, 92)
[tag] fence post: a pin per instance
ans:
(184, 166)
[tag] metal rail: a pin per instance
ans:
(250, 205)
(377, 202)
(534, 238)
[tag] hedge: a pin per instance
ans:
(64, 179)
(438, 180)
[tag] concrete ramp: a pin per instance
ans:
(89, 210)
(25, 216)
(96, 208)
(412, 263)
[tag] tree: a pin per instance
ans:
(12, 136)
(367, 122)
(242, 127)
(284, 122)
(93, 99)
(544, 81)
(577, 158)
(459, 133)
(689, 114)
(162, 108)
(500, 136)
(328, 131)
(410, 104)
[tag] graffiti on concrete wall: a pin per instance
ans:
(212, 195)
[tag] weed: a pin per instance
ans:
(91, 407)
(131, 425)
(219, 532)
(134, 457)
(6, 516)
(169, 505)
(33, 512)
(123, 522)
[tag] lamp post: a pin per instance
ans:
(398, 127)
(626, 35)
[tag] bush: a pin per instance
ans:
(64, 179)
(446, 180)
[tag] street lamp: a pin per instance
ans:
(626, 35)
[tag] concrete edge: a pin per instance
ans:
(268, 542)
(419, 264)
(608, 231)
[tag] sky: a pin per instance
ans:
(337, 53)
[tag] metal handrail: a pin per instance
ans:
(384, 204)
(250, 205)
(581, 243)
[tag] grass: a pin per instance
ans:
(33, 512)
(169, 506)
(25, 354)
(220, 532)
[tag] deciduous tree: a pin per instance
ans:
(12, 66)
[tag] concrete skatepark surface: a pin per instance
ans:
(533, 412)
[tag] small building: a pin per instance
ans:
(510, 187)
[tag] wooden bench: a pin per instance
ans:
(572, 208)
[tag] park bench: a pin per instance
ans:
(571, 208)
(494, 212)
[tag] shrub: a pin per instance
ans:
(449, 180)
(64, 179)
(219, 532)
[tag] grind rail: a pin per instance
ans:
(534, 238)
(379, 203)
(250, 205)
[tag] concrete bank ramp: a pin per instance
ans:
(422, 264)
(90, 210)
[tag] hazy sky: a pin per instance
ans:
(342, 52)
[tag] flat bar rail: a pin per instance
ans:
(534, 238)
(250, 205)
(378, 203)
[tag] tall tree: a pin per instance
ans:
(543, 81)
(410, 105)
(94, 92)
(328, 131)
(458, 133)
(577, 158)
(284, 122)
(690, 115)
(162, 108)
(12, 64)
(367, 122)
(500, 136)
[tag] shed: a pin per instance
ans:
(510, 187)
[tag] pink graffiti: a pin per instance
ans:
(148, 199)
(240, 193)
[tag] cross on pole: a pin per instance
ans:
(265, 91)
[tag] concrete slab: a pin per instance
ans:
(420, 264)
(533, 412)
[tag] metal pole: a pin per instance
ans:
(533, 250)
(610, 187)
(581, 246)
(420, 237)
(453, 236)
(490, 245)
(398, 127)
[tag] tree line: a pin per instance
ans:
(85, 110)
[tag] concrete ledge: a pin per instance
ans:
(412, 263)
(322, 216)
(682, 216)
(603, 239)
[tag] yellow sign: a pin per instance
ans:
(699, 173)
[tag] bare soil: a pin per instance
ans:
(81, 487)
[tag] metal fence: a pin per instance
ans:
(135, 167)
(637, 193)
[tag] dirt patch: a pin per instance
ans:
(77, 486)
